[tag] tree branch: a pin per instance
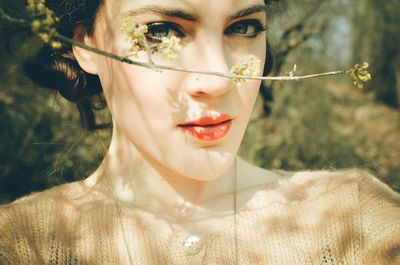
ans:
(154, 66)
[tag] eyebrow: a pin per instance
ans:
(165, 12)
(177, 13)
(248, 11)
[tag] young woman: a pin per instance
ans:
(171, 188)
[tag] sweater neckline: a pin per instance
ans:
(255, 203)
(257, 200)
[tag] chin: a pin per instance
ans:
(204, 177)
(208, 169)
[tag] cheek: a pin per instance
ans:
(135, 94)
(248, 93)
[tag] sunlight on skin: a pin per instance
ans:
(148, 150)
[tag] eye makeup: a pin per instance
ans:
(249, 28)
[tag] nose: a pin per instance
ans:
(210, 56)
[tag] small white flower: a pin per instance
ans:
(169, 47)
(250, 67)
(133, 29)
(136, 35)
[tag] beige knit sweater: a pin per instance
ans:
(346, 217)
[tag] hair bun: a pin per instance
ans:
(62, 73)
(52, 70)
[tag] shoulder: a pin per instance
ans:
(324, 181)
(319, 190)
(39, 207)
(374, 206)
(28, 225)
(22, 220)
(64, 192)
(355, 185)
(380, 221)
(311, 180)
(301, 184)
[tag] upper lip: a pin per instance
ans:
(207, 120)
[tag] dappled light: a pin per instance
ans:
(212, 132)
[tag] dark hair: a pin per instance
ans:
(58, 69)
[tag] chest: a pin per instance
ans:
(324, 230)
(278, 234)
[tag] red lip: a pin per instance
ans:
(207, 120)
(208, 128)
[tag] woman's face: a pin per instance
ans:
(148, 106)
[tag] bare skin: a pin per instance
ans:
(152, 166)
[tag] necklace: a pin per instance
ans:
(192, 245)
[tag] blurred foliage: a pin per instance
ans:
(322, 123)
(42, 144)
(327, 123)
(377, 39)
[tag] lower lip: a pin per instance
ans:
(208, 132)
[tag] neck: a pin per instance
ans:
(139, 181)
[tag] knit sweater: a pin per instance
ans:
(342, 217)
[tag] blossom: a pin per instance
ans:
(360, 74)
(136, 35)
(43, 23)
(169, 47)
(133, 29)
(248, 67)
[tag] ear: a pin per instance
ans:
(84, 57)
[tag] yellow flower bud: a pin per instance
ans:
(55, 44)
(48, 21)
(360, 74)
(36, 24)
(44, 37)
(41, 7)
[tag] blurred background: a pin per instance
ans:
(322, 123)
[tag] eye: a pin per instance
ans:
(246, 28)
(158, 30)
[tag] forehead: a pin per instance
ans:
(210, 9)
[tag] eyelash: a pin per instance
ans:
(159, 25)
(258, 28)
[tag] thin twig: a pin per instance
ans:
(164, 67)
(151, 65)
(6, 17)
(150, 60)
